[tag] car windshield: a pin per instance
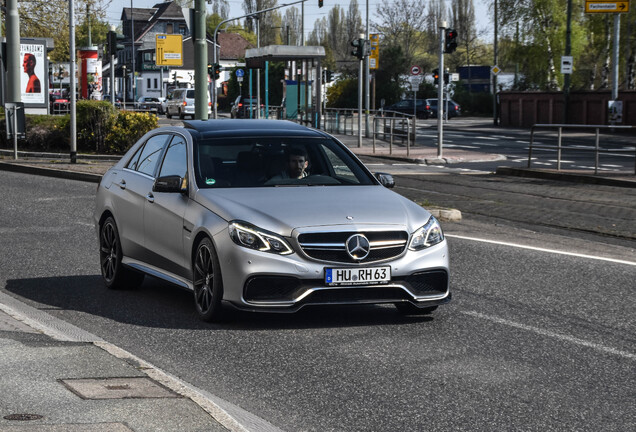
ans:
(267, 162)
(190, 94)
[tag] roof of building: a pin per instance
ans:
(147, 17)
(232, 46)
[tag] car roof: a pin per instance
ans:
(244, 128)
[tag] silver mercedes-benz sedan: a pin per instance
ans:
(265, 215)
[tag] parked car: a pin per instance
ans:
(242, 105)
(206, 207)
(409, 106)
(181, 103)
(454, 110)
(148, 103)
(117, 100)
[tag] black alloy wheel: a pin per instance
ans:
(208, 286)
(115, 275)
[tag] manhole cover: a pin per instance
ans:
(22, 417)
(118, 388)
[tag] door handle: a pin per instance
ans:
(150, 197)
(122, 184)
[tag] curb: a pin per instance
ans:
(446, 214)
(50, 172)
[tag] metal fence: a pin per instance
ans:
(385, 125)
(560, 147)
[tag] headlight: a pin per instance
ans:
(427, 236)
(249, 236)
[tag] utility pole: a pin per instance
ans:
(200, 63)
(132, 46)
(566, 78)
(13, 66)
(71, 48)
(494, 76)
(617, 36)
(13, 52)
(366, 79)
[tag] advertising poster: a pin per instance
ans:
(61, 74)
(33, 78)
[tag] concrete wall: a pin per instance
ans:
(523, 109)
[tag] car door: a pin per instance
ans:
(163, 213)
(129, 195)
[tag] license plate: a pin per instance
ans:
(357, 276)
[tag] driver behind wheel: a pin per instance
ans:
(296, 166)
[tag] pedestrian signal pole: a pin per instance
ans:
(440, 90)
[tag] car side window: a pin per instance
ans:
(175, 160)
(150, 154)
(132, 163)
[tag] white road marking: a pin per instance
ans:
(538, 249)
(64, 198)
(562, 337)
(461, 146)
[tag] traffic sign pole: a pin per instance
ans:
(440, 91)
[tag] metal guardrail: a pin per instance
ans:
(389, 125)
(559, 147)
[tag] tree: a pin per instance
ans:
(40, 18)
(463, 20)
(269, 22)
(404, 23)
(221, 8)
(291, 26)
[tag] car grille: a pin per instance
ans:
(331, 246)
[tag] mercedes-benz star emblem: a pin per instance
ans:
(358, 247)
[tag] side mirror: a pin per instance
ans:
(385, 180)
(170, 184)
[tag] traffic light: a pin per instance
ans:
(319, 3)
(217, 71)
(112, 41)
(436, 76)
(328, 75)
(446, 77)
(358, 44)
(450, 45)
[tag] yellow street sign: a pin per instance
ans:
(605, 6)
(374, 56)
(169, 50)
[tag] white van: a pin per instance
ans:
(181, 103)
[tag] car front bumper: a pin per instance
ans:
(261, 281)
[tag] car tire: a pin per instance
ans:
(181, 115)
(168, 115)
(410, 309)
(207, 282)
(114, 274)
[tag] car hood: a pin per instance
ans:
(283, 209)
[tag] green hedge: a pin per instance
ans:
(100, 129)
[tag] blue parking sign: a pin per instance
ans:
(240, 73)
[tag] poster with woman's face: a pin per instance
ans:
(32, 83)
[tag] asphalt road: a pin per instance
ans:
(533, 340)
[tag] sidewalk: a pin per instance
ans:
(56, 377)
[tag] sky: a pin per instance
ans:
(312, 11)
